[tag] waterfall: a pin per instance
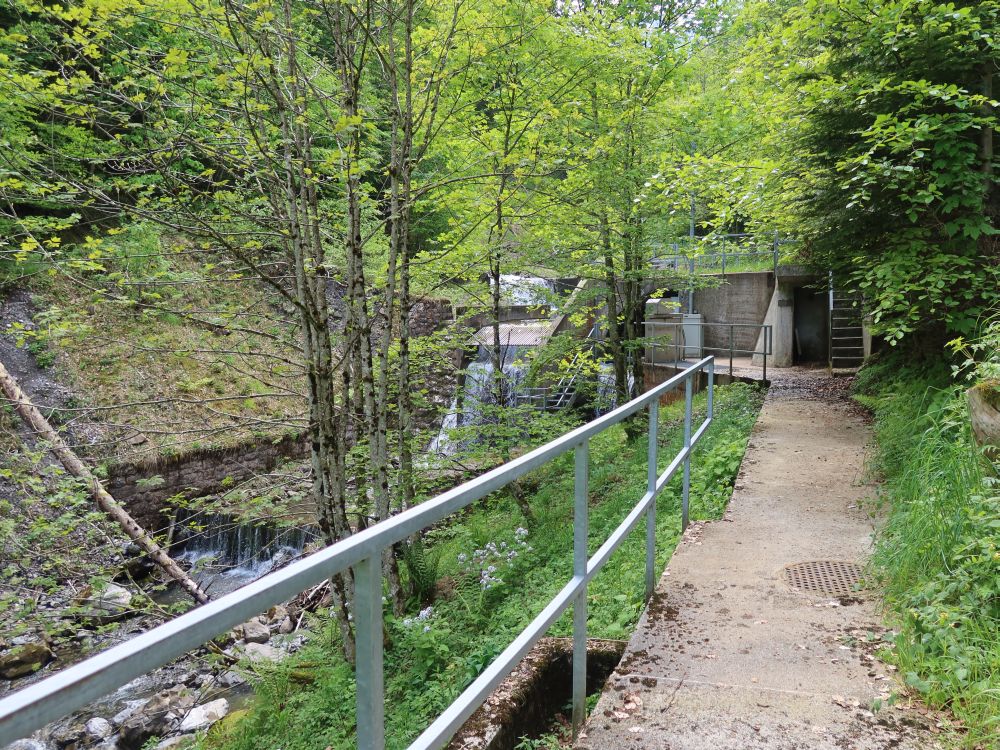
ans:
(607, 394)
(526, 290)
(227, 553)
(478, 395)
(481, 383)
(442, 444)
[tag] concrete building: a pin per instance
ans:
(793, 300)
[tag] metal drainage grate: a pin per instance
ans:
(825, 576)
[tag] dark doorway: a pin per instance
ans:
(811, 328)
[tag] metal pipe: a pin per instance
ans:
(651, 476)
(691, 279)
(711, 391)
(685, 497)
(731, 351)
(580, 537)
(767, 348)
(370, 674)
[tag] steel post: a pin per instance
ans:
(767, 348)
(580, 537)
(685, 497)
(730, 351)
(368, 653)
(651, 476)
(711, 389)
(691, 280)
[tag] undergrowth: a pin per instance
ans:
(938, 554)
(494, 572)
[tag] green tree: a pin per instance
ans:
(897, 187)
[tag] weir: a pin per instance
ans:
(225, 553)
(52, 698)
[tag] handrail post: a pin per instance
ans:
(580, 536)
(651, 476)
(368, 653)
(767, 348)
(711, 389)
(730, 351)
(691, 281)
(685, 497)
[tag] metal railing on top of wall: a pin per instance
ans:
(723, 253)
(76, 686)
(674, 347)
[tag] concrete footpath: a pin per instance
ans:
(731, 653)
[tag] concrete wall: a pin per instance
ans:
(194, 474)
(781, 317)
(653, 375)
(740, 298)
(204, 472)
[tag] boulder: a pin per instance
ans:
(70, 737)
(286, 626)
(277, 613)
(254, 631)
(98, 728)
(205, 715)
(111, 603)
(24, 660)
(230, 679)
(155, 718)
(260, 652)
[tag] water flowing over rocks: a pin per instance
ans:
(27, 744)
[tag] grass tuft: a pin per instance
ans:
(938, 555)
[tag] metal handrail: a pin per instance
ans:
(720, 261)
(690, 255)
(679, 342)
(76, 686)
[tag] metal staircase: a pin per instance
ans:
(564, 393)
(847, 351)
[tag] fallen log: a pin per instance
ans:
(37, 422)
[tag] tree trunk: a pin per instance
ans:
(614, 326)
(30, 414)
